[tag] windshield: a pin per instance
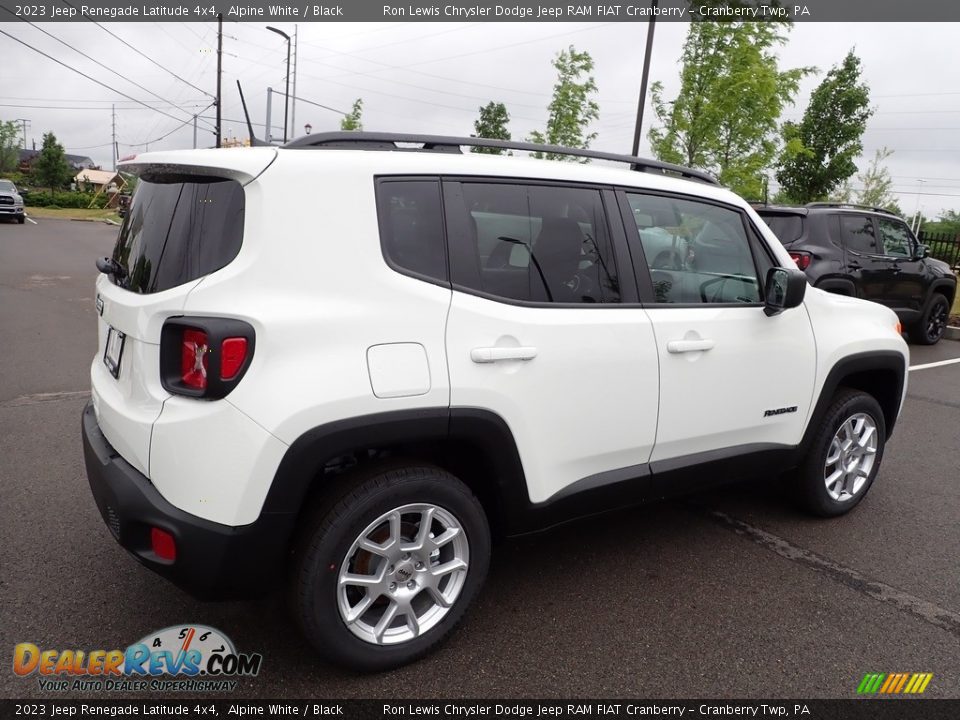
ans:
(179, 228)
(7, 186)
(787, 228)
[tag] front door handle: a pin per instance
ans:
(685, 346)
(495, 354)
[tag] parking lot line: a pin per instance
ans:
(940, 363)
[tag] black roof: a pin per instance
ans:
(75, 160)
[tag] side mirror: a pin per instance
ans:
(922, 251)
(784, 289)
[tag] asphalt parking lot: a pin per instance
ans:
(728, 594)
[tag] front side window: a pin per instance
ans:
(858, 236)
(896, 238)
(536, 243)
(695, 252)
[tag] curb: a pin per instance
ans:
(951, 333)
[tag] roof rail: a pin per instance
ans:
(851, 206)
(441, 143)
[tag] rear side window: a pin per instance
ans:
(411, 227)
(535, 243)
(179, 228)
(858, 236)
(787, 228)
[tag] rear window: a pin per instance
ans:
(787, 228)
(179, 228)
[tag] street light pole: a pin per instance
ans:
(286, 96)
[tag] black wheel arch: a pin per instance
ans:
(475, 445)
(881, 374)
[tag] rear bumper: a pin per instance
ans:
(212, 560)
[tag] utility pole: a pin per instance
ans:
(23, 123)
(113, 114)
(645, 76)
(219, 74)
(293, 104)
(194, 132)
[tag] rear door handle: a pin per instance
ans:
(685, 346)
(495, 354)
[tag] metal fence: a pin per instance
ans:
(943, 247)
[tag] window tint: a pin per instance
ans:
(695, 252)
(857, 234)
(179, 229)
(896, 237)
(537, 243)
(411, 226)
(787, 228)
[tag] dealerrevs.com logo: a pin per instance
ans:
(187, 658)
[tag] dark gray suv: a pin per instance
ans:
(871, 254)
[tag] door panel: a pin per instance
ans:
(584, 403)
(729, 375)
(718, 398)
(538, 333)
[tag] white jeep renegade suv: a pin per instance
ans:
(347, 361)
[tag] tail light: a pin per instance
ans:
(204, 357)
(802, 259)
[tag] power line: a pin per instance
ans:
(138, 52)
(91, 79)
(166, 135)
(96, 62)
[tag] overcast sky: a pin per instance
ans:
(432, 77)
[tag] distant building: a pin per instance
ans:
(77, 162)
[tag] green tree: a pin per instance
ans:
(820, 150)
(572, 108)
(877, 190)
(948, 222)
(492, 124)
(9, 145)
(352, 120)
(51, 168)
(725, 117)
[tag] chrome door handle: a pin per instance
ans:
(685, 346)
(494, 354)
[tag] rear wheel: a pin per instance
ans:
(932, 326)
(386, 573)
(844, 457)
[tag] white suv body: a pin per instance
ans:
(389, 330)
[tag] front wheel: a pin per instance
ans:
(386, 574)
(844, 457)
(934, 322)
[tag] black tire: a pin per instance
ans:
(933, 324)
(21, 219)
(810, 479)
(331, 531)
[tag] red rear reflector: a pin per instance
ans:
(801, 259)
(163, 544)
(193, 359)
(233, 352)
